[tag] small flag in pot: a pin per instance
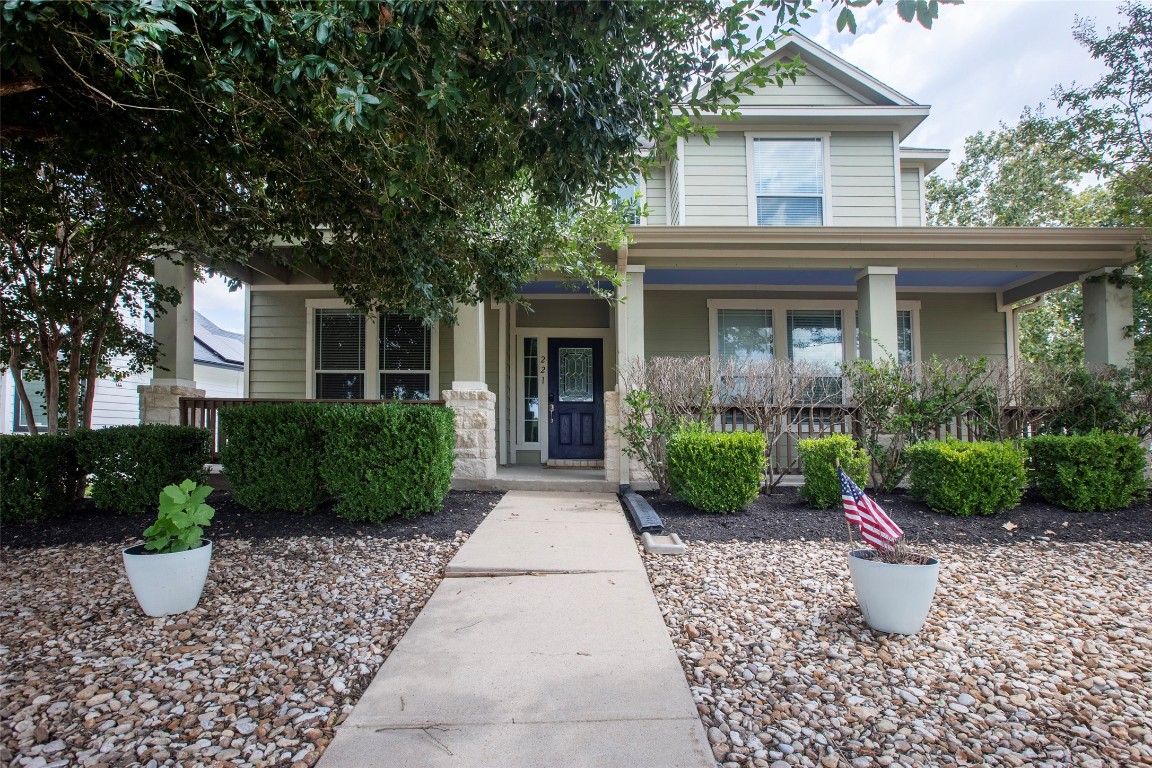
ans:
(876, 528)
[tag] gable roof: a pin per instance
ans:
(867, 100)
(836, 70)
(217, 347)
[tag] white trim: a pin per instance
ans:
(877, 270)
(502, 384)
(825, 139)
(779, 309)
(898, 179)
(291, 287)
(837, 65)
(923, 202)
(817, 288)
(681, 194)
(246, 378)
(371, 351)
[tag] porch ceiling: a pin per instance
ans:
(831, 278)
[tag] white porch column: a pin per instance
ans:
(174, 375)
(1107, 317)
(474, 405)
(876, 297)
(634, 311)
(629, 352)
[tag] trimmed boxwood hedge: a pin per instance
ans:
(40, 476)
(385, 460)
(818, 459)
(981, 478)
(130, 465)
(1085, 473)
(272, 454)
(716, 471)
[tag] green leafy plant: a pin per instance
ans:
(965, 479)
(1089, 472)
(385, 460)
(644, 429)
(130, 465)
(272, 455)
(818, 458)
(40, 476)
(901, 405)
(716, 471)
(181, 519)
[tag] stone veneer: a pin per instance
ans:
(611, 438)
(160, 403)
(475, 432)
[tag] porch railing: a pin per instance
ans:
(204, 411)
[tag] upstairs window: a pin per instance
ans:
(788, 182)
(630, 198)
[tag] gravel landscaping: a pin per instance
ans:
(291, 629)
(1038, 649)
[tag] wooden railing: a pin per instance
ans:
(203, 412)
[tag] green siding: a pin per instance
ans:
(277, 359)
(447, 364)
(910, 196)
(810, 89)
(716, 180)
(960, 324)
(863, 179)
(656, 196)
(564, 313)
(676, 323)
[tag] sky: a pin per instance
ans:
(980, 65)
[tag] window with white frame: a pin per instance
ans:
(405, 358)
(816, 336)
(339, 362)
(356, 357)
(788, 183)
(904, 353)
(630, 195)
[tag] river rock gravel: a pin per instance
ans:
(288, 634)
(1037, 654)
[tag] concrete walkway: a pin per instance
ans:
(543, 647)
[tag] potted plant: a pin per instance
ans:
(167, 572)
(893, 585)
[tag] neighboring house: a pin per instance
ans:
(795, 226)
(219, 365)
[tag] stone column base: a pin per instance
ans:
(475, 432)
(160, 403)
(612, 454)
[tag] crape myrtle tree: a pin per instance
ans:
(1087, 164)
(419, 153)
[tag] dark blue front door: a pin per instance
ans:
(576, 398)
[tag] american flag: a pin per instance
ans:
(876, 528)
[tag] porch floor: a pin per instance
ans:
(535, 477)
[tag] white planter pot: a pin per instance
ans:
(168, 583)
(893, 598)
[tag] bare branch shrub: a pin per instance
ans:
(769, 393)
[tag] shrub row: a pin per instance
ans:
(968, 478)
(376, 460)
(126, 468)
(1082, 473)
(716, 471)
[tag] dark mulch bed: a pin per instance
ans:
(782, 516)
(462, 511)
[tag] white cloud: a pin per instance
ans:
(218, 304)
(980, 65)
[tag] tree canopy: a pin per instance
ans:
(421, 152)
(1088, 163)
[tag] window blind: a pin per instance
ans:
(788, 181)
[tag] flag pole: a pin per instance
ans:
(851, 542)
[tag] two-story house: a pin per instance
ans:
(803, 218)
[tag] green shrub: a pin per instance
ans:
(385, 460)
(272, 455)
(968, 478)
(716, 471)
(40, 476)
(131, 465)
(818, 459)
(1089, 472)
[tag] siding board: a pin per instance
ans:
(910, 196)
(863, 183)
(656, 188)
(809, 89)
(716, 180)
